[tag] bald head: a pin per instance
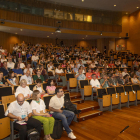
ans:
(20, 98)
(27, 73)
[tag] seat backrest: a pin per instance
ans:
(128, 88)
(8, 99)
(44, 85)
(67, 96)
(73, 82)
(47, 100)
(119, 89)
(31, 86)
(56, 65)
(2, 112)
(83, 83)
(68, 76)
(15, 87)
(29, 100)
(136, 87)
(101, 92)
(87, 90)
(5, 91)
(111, 90)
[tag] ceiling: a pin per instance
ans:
(45, 34)
(121, 5)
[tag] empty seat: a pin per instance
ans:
(44, 85)
(137, 89)
(5, 91)
(31, 86)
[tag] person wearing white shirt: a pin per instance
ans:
(24, 89)
(56, 107)
(22, 65)
(20, 110)
(10, 64)
(28, 68)
(3, 59)
(27, 77)
(39, 112)
(125, 72)
(94, 82)
(35, 59)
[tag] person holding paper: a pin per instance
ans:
(21, 112)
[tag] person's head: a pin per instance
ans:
(80, 62)
(75, 65)
(36, 95)
(125, 70)
(50, 82)
(1, 74)
(68, 67)
(20, 60)
(103, 71)
(104, 77)
(50, 63)
(5, 64)
(134, 75)
(9, 59)
(17, 65)
(59, 92)
(116, 70)
(126, 76)
(79, 71)
(112, 75)
(59, 67)
(111, 71)
(28, 65)
(89, 70)
(23, 83)
(27, 73)
(20, 99)
(111, 62)
(93, 76)
(38, 72)
(38, 82)
(123, 62)
(120, 75)
(139, 69)
(10, 74)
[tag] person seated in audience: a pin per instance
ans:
(89, 74)
(56, 105)
(17, 70)
(120, 80)
(104, 82)
(117, 73)
(127, 80)
(28, 77)
(39, 87)
(93, 65)
(12, 80)
(61, 57)
(4, 69)
(88, 61)
(123, 65)
(14, 59)
(56, 60)
(38, 76)
(64, 65)
(134, 79)
(3, 83)
(39, 113)
(138, 73)
(22, 65)
(42, 61)
(135, 65)
(75, 69)
(111, 65)
(71, 65)
(100, 64)
(10, 64)
(112, 58)
(95, 61)
(105, 65)
(113, 81)
(110, 72)
(80, 64)
(28, 67)
(24, 89)
(77, 60)
(94, 82)
(50, 87)
(103, 73)
(83, 69)
(15, 111)
(118, 63)
(51, 67)
(44, 72)
(69, 60)
(68, 69)
(96, 72)
(125, 72)
(29, 55)
(3, 59)
(83, 60)
(80, 75)
(35, 59)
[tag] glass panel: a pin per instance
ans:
(107, 20)
(79, 17)
(68, 16)
(58, 14)
(88, 18)
(48, 13)
(3, 4)
(26, 9)
(97, 20)
(37, 11)
(12, 6)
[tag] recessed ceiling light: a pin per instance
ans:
(119, 37)
(20, 29)
(82, 0)
(101, 33)
(52, 33)
(15, 33)
(47, 36)
(82, 38)
(114, 5)
(126, 13)
(137, 7)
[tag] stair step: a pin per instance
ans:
(78, 101)
(75, 95)
(89, 115)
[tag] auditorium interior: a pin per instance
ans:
(89, 49)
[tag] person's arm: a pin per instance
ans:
(16, 81)
(40, 114)
(55, 110)
(10, 115)
(9, 83)
(51, 92)
(76, 76)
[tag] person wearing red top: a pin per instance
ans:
(89, 74)
(111, 65)
(97, 73)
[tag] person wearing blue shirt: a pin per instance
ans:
(17, 69)
(5, 69)
(29, 55)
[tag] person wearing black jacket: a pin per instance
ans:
(5, 69)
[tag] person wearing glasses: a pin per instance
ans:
(56, 106)
(20, 110)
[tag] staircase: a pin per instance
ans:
(89, 109)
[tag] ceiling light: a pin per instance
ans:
(47, 36)
(114, 5)
(101, 33)
(126, 13)
(58, 30)
(82, 38)
(137, 7)
(82, 0)
(15, 33)
(52, 33)
(20, 29)
(119, 37)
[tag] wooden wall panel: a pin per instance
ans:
(39, 20)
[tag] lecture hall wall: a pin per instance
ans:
(133, 43)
